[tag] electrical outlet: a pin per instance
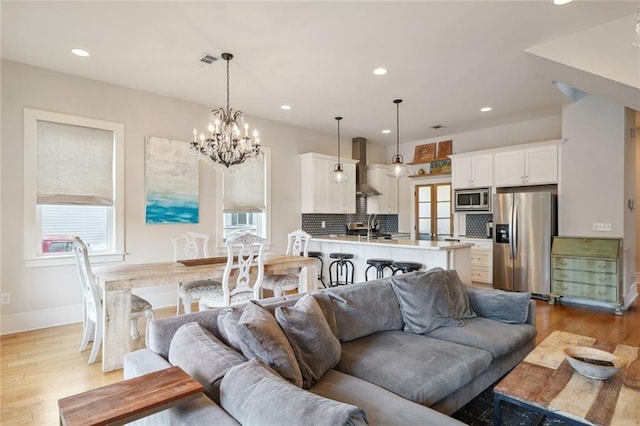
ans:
(323, 224)
(602, 227)
(6, 298)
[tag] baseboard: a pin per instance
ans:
(34, 320)
(631, 295)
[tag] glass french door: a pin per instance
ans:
(434, 218)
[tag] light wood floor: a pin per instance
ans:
(39, 367)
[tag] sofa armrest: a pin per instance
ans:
(506, 306)
(531, 317)
(143, 361)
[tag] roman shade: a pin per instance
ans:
(244, 188)
(75, 164)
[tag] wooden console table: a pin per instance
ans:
(129, 400)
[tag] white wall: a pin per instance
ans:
(46, 296)
(542, 129)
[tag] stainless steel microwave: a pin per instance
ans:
(472, 200)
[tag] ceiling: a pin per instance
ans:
(445, 59)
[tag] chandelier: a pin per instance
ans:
(397, 168)
(636, 39)
(227, 142)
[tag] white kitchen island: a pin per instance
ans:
(445, 254)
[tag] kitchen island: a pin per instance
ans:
(444, 254)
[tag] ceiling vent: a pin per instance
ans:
(438, 127)
(208, 59)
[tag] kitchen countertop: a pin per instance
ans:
(411, 244)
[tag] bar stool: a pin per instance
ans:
(379, 265)
(318, 255)
(342, 265)
(405, 267)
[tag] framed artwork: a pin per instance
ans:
(171, 182)
(441, 167)
(424, 153)
(445, 148)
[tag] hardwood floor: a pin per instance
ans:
(39, 367)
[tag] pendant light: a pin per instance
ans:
(397, 168)
(339, 175)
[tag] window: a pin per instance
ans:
(245, 195)
(433, 211)
(74, 185)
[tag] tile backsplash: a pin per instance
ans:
(476, 225)
(336, 223)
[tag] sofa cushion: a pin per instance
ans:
(202, 356)
(228, 326)
(424, 302)
(420, 368)
(261, 337)
(324, 301)
(254, 395)
(506, 306)
(382, 407)
(458, 295)
(316, 348)
(496, 337)
(365, 308)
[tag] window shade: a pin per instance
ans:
(244, 188)
(74, 164)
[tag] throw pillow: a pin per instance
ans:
(424, 302)
(506, 306)
(458, 295)
(316, 348)
(228, 326)
(254, 395)
(202, 356)
(261, 337)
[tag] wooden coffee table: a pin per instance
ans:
(129, 400)
(545, 382)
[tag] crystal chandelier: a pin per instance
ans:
(339, 175)
(397, 168)
(636, 39)
(228, 142)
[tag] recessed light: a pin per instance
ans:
(285, 107)
(380, 71)
(386, 131)
(561, 2)
(80, 52)
(486, 109)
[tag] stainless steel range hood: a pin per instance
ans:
(359, 152)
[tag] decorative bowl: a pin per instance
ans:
(593, 363)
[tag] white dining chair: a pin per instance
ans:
(239, 282)
(188, 246)
(92, 307)
(297, 242)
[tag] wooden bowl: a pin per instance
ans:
(593, 363)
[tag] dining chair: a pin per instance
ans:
(92, 307)
(192, 245)
(239, 282)
(297, 242)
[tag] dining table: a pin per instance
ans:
(117, 282)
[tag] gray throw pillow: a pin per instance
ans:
(316, 347)
(424, 302)
(506, 306)
(458, 295)
(255, 396)
(203, 357)
(261, 337)
(228, 326)
(324, 301)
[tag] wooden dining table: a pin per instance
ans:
(116, 283)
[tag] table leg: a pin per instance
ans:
(496, 410)
(116, 320)
(309, 278)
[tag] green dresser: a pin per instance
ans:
(587, 268)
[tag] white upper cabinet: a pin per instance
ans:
(471, 171)
(533, 165)
(387, 203)
(318, 193)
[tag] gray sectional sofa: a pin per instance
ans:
(411, 349)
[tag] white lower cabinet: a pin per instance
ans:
(481, 265)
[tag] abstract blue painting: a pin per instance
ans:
(171, 182)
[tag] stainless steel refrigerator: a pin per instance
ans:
(523, 224)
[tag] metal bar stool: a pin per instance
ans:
(405, 267)
(342, 266)
(318, 255)
(379, 265)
